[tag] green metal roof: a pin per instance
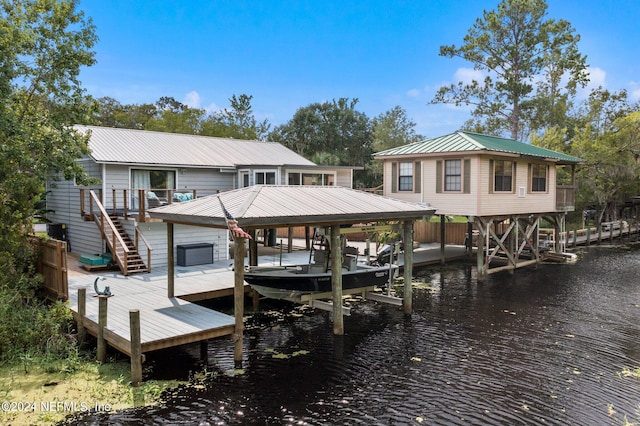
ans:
(474, 142)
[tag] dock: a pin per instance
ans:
(166, 322)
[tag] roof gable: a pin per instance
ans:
(474, 142)
(126, 146)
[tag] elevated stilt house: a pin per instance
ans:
(138, 170)
(505, 188)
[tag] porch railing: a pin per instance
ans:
(565, 198)
(126, 202)
(108, 230)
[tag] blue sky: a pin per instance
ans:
(289, 54)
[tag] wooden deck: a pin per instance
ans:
(164, 322)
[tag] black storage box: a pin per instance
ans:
(195, 254)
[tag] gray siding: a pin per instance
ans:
(156, 234)
(64, 201)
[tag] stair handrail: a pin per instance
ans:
(146, 243)
(114, 232)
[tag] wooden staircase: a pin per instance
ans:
(132, 261)
(124, 250)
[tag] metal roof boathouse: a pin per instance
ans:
(271, 206)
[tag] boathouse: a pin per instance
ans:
(137, 170)
(506, 189)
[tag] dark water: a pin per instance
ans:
(542, 346)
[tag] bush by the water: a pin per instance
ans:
(31, 326)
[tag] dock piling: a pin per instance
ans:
(136, 349)
(102, 323)
(82, 312)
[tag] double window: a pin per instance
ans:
(265, 178)
(320, 179)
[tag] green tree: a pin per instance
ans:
(43, 45)
(173, 116)
(237, 122)
(109, 112)
(391, 129)
(334, 127)
(531, 67)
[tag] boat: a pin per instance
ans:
(293, 281)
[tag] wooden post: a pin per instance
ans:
(469, 241)
(575, 237)
(170, 260)
(407, 305)
(253, 249)
(101, 352)
(204, 350)
(336, 280)
(442, 238)
(588, 235)
(136, 347)
(481, 273)
(600, 234)
(82, 312)
(238, 299)
(290, 240)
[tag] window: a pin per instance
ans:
(538, 178)
(154, 180)
(503, 175)
(405, 177)
(326, 179)
(452, 175)
(244, 179)
(265, 178)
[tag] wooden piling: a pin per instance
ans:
(442, 239)
(82, 312)
(170, 266)
(407, 305)
(336, 280)
(588, 235)
(575, 237)
(102, 323)
(238, 299)
(136, 347)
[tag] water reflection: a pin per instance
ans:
(543, 345)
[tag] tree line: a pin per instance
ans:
(327, 133)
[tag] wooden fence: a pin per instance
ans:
(423, 232)
(52, 264)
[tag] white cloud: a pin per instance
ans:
(413, 93)
(597, 78)
(467, 75)
(192, 99)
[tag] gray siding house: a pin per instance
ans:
(138, 170)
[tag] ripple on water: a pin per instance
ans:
(541, 346)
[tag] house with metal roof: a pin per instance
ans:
(471, 174)
(499, 184)
(138, 170)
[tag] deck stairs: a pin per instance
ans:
(130, 262)
(123, 248)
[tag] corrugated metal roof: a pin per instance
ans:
(473, 142)
(125, 146)
(272, 206)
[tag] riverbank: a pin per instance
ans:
(31, 395)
